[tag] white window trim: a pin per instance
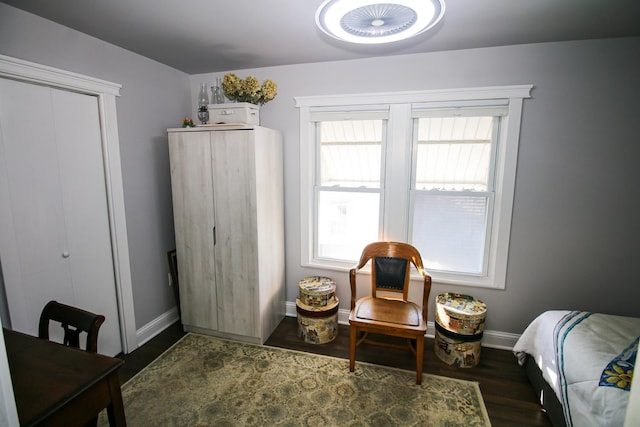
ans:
(399, 101)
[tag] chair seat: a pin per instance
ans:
(404, 313)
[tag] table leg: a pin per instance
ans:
(115, 410)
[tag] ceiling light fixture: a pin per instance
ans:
(373, 22)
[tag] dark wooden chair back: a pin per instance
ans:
(74, 321)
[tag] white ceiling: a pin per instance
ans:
(202, 36)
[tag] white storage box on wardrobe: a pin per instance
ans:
(237, 112)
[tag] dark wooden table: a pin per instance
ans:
(55, 385)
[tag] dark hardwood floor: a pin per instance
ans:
(509, 398)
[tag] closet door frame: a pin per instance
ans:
(106, 93)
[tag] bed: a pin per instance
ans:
(581, 364)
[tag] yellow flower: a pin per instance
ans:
(249, 89)
(231, 83)
(250, 86)
(269, 90)
(619, 376)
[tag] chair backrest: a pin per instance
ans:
(391, 265)
(74, 321)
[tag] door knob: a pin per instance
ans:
(65, 254)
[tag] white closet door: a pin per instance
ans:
(194, 219)
(54, 230)
(32, 210)
(234, 184)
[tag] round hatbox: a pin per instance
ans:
(317, 291)
(460, 314)
(458, 350)
(317, 325)
(459, 328)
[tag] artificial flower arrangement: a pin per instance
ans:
(188, 122)
(249, 89)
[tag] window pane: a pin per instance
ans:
(347, 222)
(449, 231)
(454, 153)
(350, 153)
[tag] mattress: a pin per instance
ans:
(587, 360)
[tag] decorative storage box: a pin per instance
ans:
(459, 328)
(317, 325)
(237, 112)
(461, 314)
(317, 308)
(317, 291)
(458, 350)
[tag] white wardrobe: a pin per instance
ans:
(227, 188)
(55, 240)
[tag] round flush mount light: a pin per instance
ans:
(373, 22)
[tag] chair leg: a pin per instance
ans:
(419, 357)
(352, 347)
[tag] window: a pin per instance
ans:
(347, 188)
(436, 169)
(452, 188)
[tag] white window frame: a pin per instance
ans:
(396, 205)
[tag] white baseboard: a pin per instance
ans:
(156, 326)
(493, 339)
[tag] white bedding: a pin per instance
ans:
(572, 349)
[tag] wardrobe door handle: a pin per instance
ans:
(214, 236)
(66, 254)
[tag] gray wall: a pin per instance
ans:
(574, 228)
(153, 98)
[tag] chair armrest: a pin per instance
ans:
(426, 290)
(352, 283)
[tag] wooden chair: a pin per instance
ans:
(389, 314)
(74, 321)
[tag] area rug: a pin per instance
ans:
(207, 381)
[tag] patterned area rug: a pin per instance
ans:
(207, 381)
